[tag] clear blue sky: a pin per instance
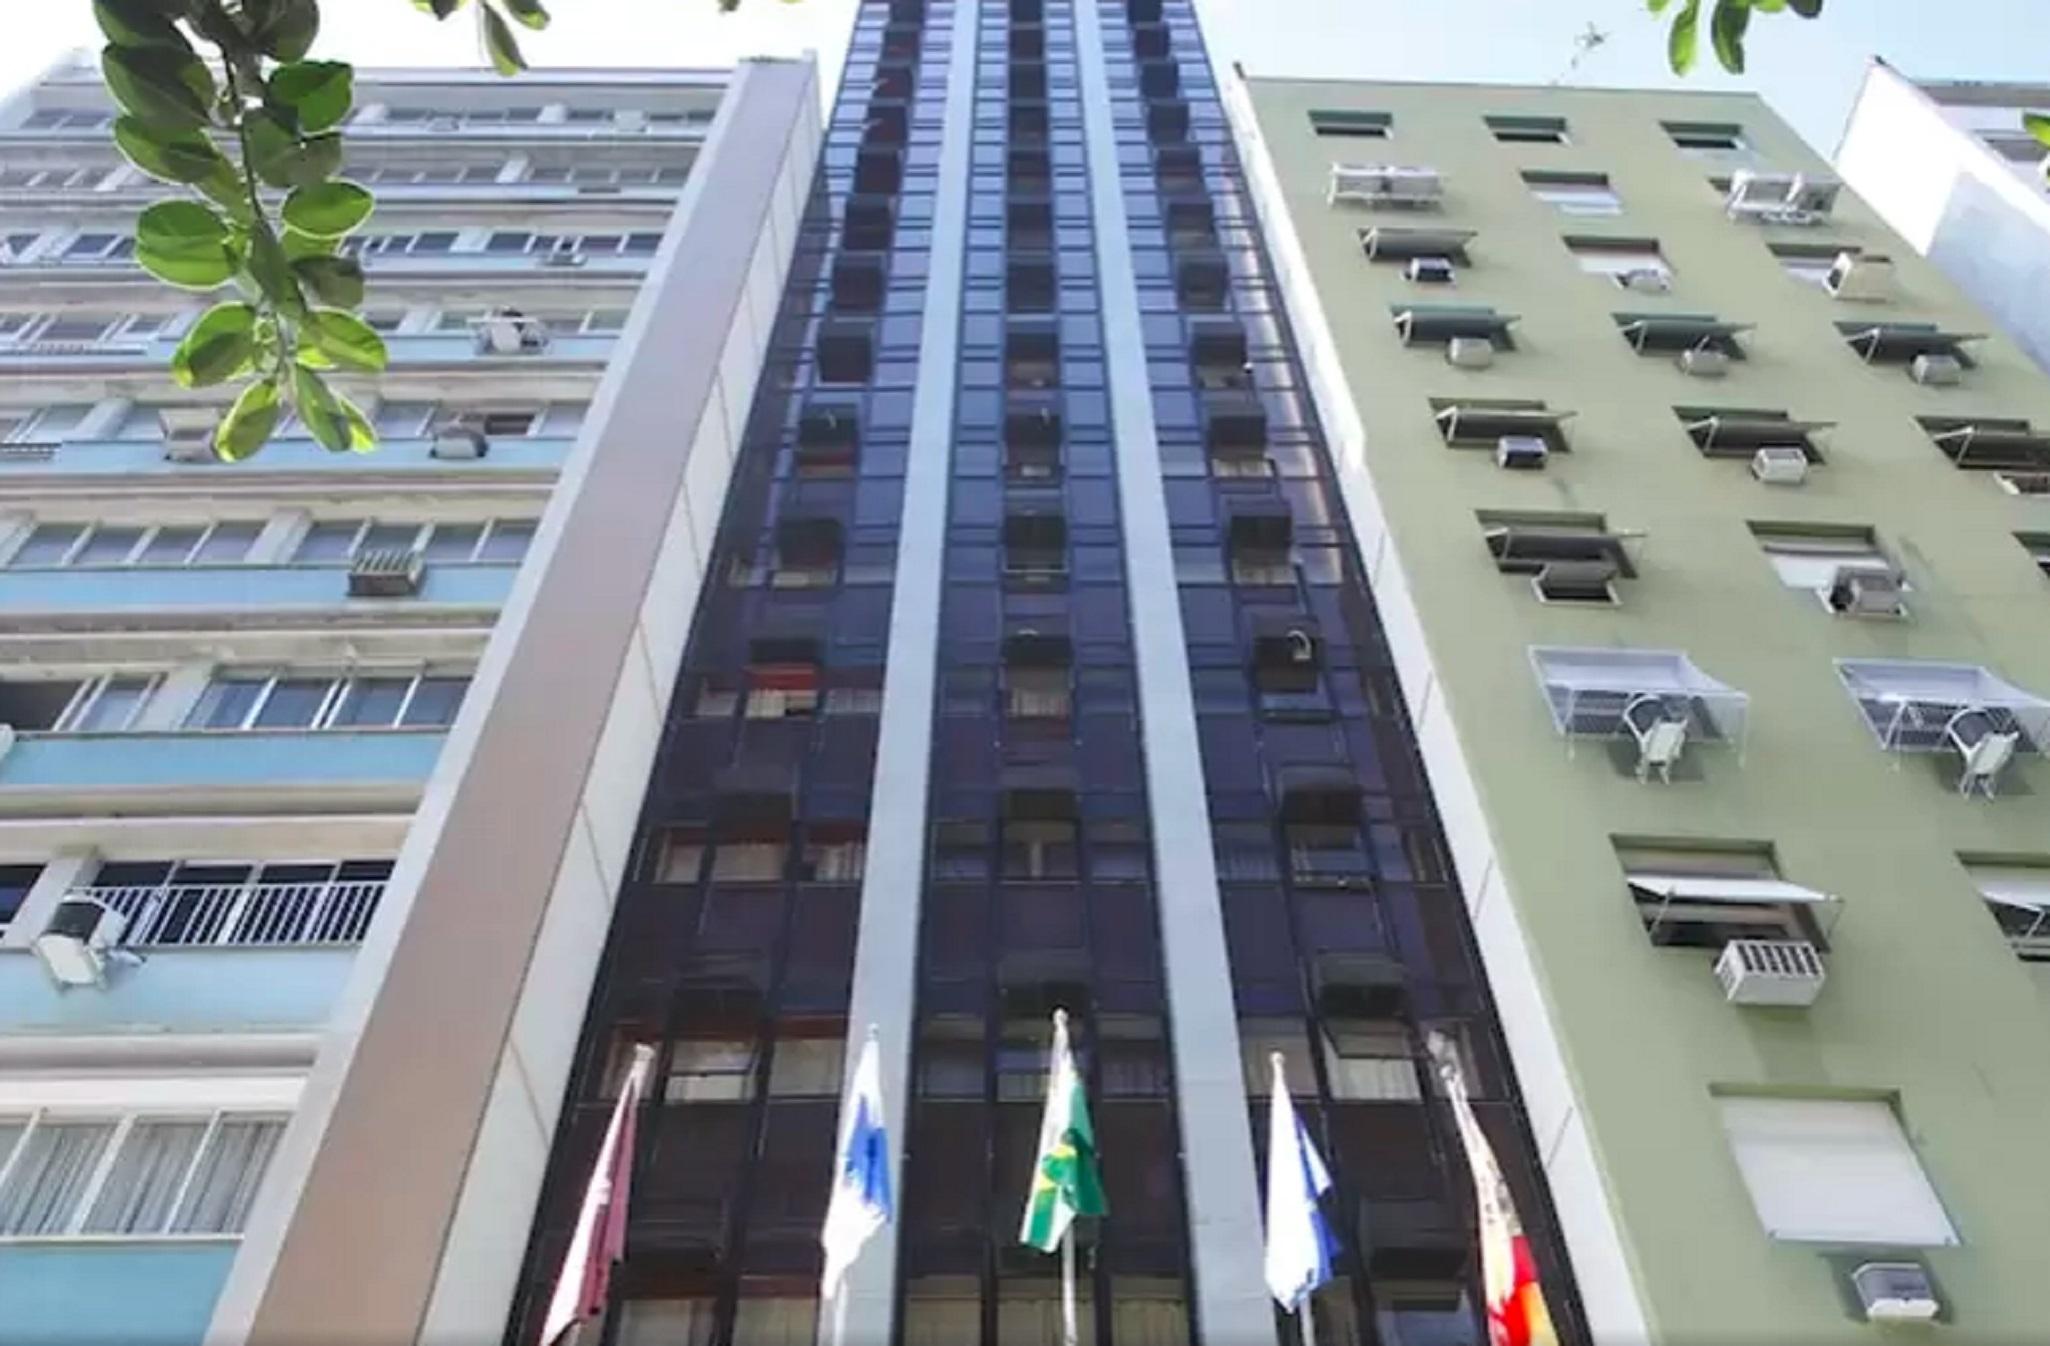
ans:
(1808, 70)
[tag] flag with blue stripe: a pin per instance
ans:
(1299, 1241)
(861, 1204)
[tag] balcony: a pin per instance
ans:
(80, 1293)
(372, 764)
(527, 455)
(116, 589)
(240, 915)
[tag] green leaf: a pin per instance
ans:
(283, 159)
(332, 280)
(440, 9)
(334, 421)
(1680, 42)
(342, 338)
(2037, 124)
(1656, 6)
(499, 42)
(185, 244)
(272, 271)
(289, 31)
(328, 210)
(176, 156)
(1732, 17)
(220, 346)
(247, 426)
(168, 88)
(318, 92)
(1769, 6)
(298, 245)
(1807, 9)
(529, 12)
(138, 23)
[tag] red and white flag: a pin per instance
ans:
(1517, 1315)
(600, 1238)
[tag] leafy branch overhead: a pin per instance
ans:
(1727, 23)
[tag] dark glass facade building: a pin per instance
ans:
(1043, 673)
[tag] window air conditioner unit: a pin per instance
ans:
(1470, 352)
(1895, 1292)
(562, 254)
(1521, 451)
(1659, 748)
(1937, 371)
(1866, 591)
(188, 434)
(74, 947)
(386, 572)
(1647, 280)
(1866, 279)
(459, 441)
(1705, 362)
(1984, 755)
(1431, 270)
(1770, 972)
(1780, 465)
(509, 333)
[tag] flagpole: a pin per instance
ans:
(1068, 1287)
(840, 1316)
(1308, 1315)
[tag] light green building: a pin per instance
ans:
(1834, 650)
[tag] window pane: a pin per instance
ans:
(169, 547)
(224, 1186)
(372, 701)
(225, 703)
(328, 543)
(508, 541)
(115, 706)
(294, 702)
(50, 1176)
(108, 546)
(390, 537)
(228, 543)
(454, 541)
(137, 1196)
(47, 545)
(436, 702)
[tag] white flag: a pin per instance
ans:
(861, 1203)
(1299, 1244)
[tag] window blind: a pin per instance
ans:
(1833, 1171)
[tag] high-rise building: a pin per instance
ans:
(318, 770)
(1950, 167)
(1041, 672)
(1690, 503)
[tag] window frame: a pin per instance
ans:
(340, 685)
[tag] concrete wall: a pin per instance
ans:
(1618, 1043)
(415, 1162)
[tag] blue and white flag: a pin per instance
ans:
(861, 1203)
(1299, 1243)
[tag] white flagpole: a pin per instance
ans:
(840, 1315)
(1307, 1315)
(1068, 1287)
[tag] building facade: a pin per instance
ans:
(1040, 672)
(1704, 553)
(1949, 167)
(303, 753)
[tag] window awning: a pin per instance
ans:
(1677, 331)
(1904, 341)
(1590, 689)
(1527, 548)
(2024, 887)
(1484, 423)
(1994, 445)
(1910, 704)
(1746, 432)
(1711, 888)
(1444, 322)
(1390, 243)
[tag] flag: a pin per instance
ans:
(1065, 1180)
(1299, 1242)
(861, 1204)
(600, 1238)
(1517, 1315)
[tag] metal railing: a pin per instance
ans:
(242, 915)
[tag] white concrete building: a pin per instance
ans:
(255, 803)
(1950, 167)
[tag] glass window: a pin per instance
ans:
(169, 546)
(372, 701)
(148, 1171)
(710, 1070)
(113, 705)
(15, 881)
(328, 543)
(223, 1187)
(108, 546)
(227, 701)
(227, 543)
(47, 544)
(50, 1174)
(294, 703)
(756, 861)
(1037, 848)
(435, 701)
(454, 541)
(508, 541)
(1575, 193)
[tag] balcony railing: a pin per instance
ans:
(188, 915)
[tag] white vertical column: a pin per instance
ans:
(1210, 1094)
(886, 952)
